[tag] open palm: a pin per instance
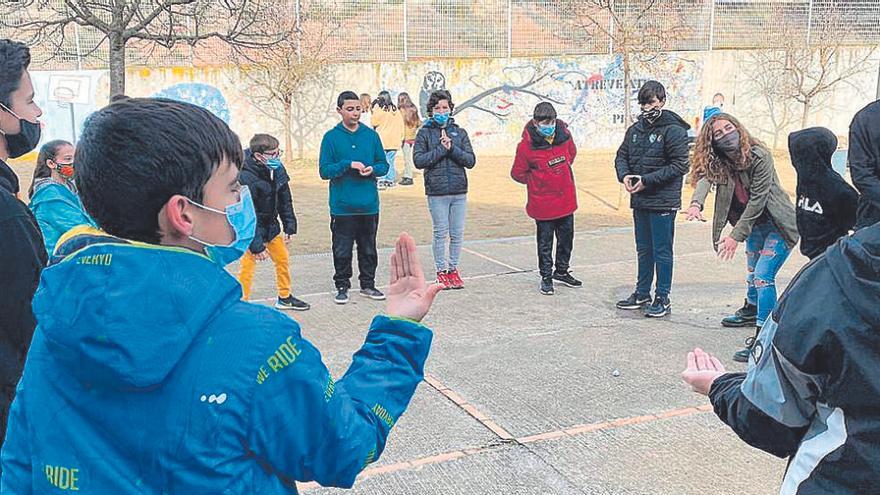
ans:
(408, 296)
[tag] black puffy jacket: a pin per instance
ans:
(811, 390)
(826, 204)
(270, 190)
(864, 162)
(659, 153)
(444, 169)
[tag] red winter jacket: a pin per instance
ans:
(546, 171)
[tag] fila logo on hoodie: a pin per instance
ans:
(804, 204)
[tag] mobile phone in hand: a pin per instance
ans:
(634, 180)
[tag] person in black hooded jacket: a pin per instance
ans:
(826, 204)
(810, 394)
(268, 182)
(651, 163)
(864, 162)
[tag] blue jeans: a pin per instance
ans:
(655, 233)
(392, 172)
(766, 252)
(448, 214)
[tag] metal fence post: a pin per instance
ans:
(405, 32)
(298, 33)
(509, 28)
(809, 24)
(712, 26)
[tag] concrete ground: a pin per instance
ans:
(521, 394)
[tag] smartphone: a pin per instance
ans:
(634, 180)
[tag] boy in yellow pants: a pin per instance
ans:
(268, 181)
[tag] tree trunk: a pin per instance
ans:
(807, 106)
(627, 111)
(288, 124)
(117, 64)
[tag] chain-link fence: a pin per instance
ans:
(401, 30)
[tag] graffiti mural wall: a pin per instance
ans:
(494, 97)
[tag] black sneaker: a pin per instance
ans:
(568, 280)
(547, 286)
(341, 296)
(406, 182)
(293, 303)
(659, 308)
(742, 356)
(634, 301)
(373, 294)
(746, 316)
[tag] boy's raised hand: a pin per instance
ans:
(408, 296)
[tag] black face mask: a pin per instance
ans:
(652, 115)
(728, 144)
(26, 140)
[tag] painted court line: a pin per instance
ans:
(493, 260)
(468, 408)
(570, 432)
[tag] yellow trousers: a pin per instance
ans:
(280, 258)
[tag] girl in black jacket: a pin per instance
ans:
(443, 151)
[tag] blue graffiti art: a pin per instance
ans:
(203, 95)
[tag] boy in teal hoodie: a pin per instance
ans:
(149, 374)
(352, 159)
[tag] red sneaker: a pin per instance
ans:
(443, 279)
(455, 279)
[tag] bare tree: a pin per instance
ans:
(773, 111)
(143, 24)
(808, 67)
(282, 79)
(637, 31)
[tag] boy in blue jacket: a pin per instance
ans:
(152, 375)
(352, 159)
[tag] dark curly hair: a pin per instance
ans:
(15, 57)
(438, 96)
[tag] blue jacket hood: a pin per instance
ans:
(122, 314)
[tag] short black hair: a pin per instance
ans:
(119, 97)
(544, 111)
(651, 90)
(345, 96)
(137, 153)
(438, 96)
(262, 143)
(15, 58)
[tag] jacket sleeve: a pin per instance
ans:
(424, 155)
(572, 150)
(380, 159)
(328, 165)
(16, 457)
(759, 193)
(676, 150)
(701, 192)
(285, 208)
(771, 406)
(258, 244)
(59, 216)
(621, 161)
(520, 170)
(308, 427)
(463, 154)
(863, 166)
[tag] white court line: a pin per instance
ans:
(493, 260)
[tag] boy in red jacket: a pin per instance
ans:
(543, 163)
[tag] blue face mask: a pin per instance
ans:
(441, 118)
(274, 163)
(243, 219)
(547, 130)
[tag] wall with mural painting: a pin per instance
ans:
(494, 97)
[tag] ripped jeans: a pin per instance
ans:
(766, 252)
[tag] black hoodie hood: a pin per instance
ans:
(811, 151)
(539, 141)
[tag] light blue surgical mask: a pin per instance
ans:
(243, 219)
(441, 118)
(274, 163)
(547, 130)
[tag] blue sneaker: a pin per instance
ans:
(659, 308)
(634, 301)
